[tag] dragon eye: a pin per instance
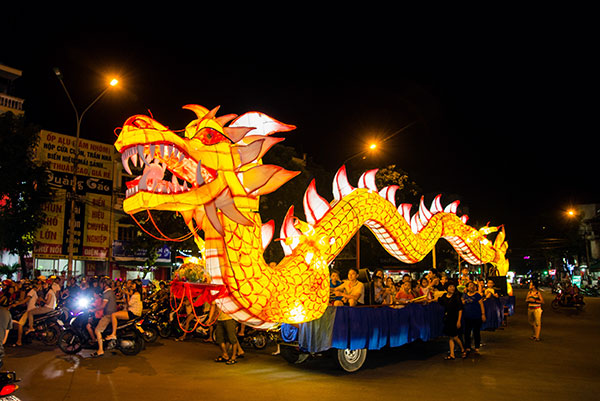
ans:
(209, 136)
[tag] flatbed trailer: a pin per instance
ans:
(349, 332)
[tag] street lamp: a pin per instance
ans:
(78, 118)
(372, 148)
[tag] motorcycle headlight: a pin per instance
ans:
(83, 303)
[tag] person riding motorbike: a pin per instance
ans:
(48, 304)
(568, 295)
(134, 307)
(109, 306)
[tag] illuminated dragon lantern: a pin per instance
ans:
(216, 179)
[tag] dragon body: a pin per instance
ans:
(216, 179)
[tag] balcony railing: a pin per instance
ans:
(11, 102)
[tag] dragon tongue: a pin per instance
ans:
(153, 172)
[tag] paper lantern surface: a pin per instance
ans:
(216, 178)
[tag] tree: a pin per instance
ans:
(25, 186)
(392, 175)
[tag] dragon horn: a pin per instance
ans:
(288, 230)
(389, 193)
(267, 230)
(404, 210)
(222, 120)
(415, 223)
(367, 180)
(200, 111)
(211, 114)
(436, 205)
(424, 214)
(341, 186)
(451, 208)
(315, 206)
(264, 124)
(464, 218)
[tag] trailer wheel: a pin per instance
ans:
(293, 354)
(351, 359)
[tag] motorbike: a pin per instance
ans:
(560, 301)
(258, 338)
(75, 337)
(169, 325)
(45, 328)
(590, 291)
(150, 326)
(8, 386)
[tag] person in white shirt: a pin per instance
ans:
(352, 291)
(49, 305)
(133, 310)
(31, 300)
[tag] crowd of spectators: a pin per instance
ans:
(27, 298)
(462, 298)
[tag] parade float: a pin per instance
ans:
(216, 179)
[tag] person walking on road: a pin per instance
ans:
(5, 326)
(534, 301)
(474, 314)
(453, 309)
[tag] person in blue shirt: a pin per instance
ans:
(334, 282)
(474, 316)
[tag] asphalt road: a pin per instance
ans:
(565, 365)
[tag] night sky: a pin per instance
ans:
(501, 121)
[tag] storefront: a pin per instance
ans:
(131, 265)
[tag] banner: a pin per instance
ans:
(93, 202)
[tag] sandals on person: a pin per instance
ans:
(463, 355)
(240, 356)
(96, 355)
(221, 359)
(231, 362)
(111, 337)
(449, 358)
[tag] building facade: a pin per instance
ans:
(102, 230)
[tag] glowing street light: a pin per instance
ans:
(78, 117)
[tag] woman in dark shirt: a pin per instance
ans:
(452, 316)
(474, 313)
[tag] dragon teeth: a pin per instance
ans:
(199, 178)
(125, 161)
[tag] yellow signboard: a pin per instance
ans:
(94, 193)
(95, 158)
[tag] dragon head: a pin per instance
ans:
(211, 166)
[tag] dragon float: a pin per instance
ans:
(216, 178)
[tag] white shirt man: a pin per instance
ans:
(49, 305)
(352, 291)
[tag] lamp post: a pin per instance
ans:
(371, 148)
(78, 118)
